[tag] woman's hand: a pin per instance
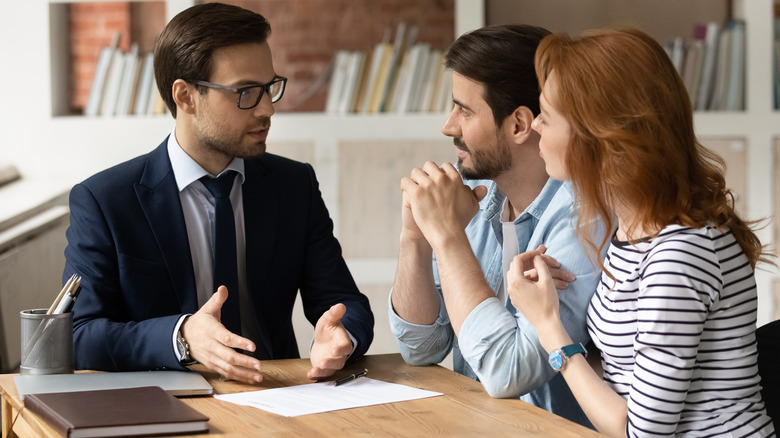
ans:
(532, 291)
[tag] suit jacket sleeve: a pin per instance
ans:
(327, 280)
(108, 332)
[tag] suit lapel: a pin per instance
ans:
(158, 196)
(261, 218)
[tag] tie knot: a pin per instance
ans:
(221, 186)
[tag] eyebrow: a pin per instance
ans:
(461, 104)
(249, 82)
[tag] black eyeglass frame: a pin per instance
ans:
(266, 90)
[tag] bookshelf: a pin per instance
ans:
(359, 158)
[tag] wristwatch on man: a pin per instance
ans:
(184, 349)
(560, 356)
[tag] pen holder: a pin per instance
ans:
(47, 342)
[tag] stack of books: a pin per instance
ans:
(712, 65)
(404, 76)
(124, 84)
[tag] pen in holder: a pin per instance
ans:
(47, 342)
(47, 334)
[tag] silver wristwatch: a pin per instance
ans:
(184, 348)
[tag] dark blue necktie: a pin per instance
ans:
(224, 237)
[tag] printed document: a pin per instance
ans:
(324, 396)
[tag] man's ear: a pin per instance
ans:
(520, 123)
(184, 96)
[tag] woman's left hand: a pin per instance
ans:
(533, 296)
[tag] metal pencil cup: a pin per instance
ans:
(47, 342)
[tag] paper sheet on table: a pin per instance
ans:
(324, 396)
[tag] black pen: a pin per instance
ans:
(350, 377)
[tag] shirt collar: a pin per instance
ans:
(186, 170)
(535, 209)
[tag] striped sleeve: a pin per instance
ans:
(679, 282)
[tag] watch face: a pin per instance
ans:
(556, 361)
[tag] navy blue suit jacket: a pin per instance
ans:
(127, 239)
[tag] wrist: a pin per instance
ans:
(553, 335)
(182, 345)
(414, 241)
(443, 240)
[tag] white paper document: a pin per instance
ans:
(324, 396)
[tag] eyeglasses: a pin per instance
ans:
(249, 97)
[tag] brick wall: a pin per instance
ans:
(92, 27)
(305, 35)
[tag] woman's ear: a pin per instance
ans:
(184, 96)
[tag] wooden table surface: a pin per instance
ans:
(465, 409)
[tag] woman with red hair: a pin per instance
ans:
(675, 313)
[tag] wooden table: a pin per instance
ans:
(465, 409)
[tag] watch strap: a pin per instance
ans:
(572, 349)
(181, 344)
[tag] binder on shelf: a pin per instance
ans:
(108, 101)
(707, 81)
(105, 59)
(363, 82)
(337, 80)
(151, 101)
(128, 81)
(408, 84)
(420, 71)
(694, 57)
(735, 97)
(676, 50)
(381, 79)
(722, 70)
(145, 85)
(139, 69)
(434, 68)
(403, 40)
(377, 57)
(355, 66)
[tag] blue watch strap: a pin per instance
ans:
(560, 356)
(571, 350)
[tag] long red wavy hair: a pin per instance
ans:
(632, 138)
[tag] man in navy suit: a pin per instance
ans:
(144, 239)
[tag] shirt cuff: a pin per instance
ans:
(486, 323)
(175, 335)
(410, 332)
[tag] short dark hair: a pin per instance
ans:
(502, 58)
(183, 49)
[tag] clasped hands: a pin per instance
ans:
(214, 346)
(437, 206)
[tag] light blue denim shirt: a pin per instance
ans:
(497, 345)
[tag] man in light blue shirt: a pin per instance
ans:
(509, 206)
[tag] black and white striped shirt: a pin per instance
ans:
(677, 335)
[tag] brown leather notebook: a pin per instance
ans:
(116, 412)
